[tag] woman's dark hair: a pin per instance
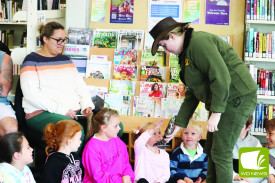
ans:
(10, 143)
(270, 125)
(48, 29)
(153, 86)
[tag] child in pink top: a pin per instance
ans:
(152, 164)
(105, 157)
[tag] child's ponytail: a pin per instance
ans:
(50, 138)
(97, 119)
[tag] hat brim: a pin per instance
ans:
(155, 45)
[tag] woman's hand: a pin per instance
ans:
(126, 179)
(71, 114)
(169, 137)
(212, 124)
(87, 111)
(181, 181)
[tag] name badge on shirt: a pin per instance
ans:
(186, 62)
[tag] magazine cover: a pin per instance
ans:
(149, 42)
(125, 72)
(80, 36)
(170, 107)
(143, 106)
(130, 39)
(120, 103)
(105, 38)
(174, 60)
(97, 95)
(175, 90)
(79, 54)
(98, 69)
(124, 56)
(150, 89)
(99, 57)
(172, 89)
(159, 59)
(153, 74)
(174, 75)
(122, 87)
(122, 11)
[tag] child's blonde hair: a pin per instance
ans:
(145, 126)
(195, 125)
(102, 117)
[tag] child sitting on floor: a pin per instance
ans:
(188, 162)
(62, 164)
(151, 163)
(105, 157)
(15, 154)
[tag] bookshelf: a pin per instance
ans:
(133, 122)
(262, 24)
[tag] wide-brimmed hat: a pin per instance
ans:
(160, 30)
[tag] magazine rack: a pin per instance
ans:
(133, 122)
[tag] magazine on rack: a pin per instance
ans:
(105, 38)
(97, 95)
(130, 39)
(80, 36)
(98, 69)
(153, 74)
(158, 59)
(125, 56)
(120, 103)
(125, 72)
(79, 54)
(122, 87)
(146, 89)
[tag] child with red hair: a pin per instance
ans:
(62, 164)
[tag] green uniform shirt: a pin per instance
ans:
(213, 74)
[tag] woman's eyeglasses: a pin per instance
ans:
(60, 41)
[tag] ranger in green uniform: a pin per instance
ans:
(214, 74)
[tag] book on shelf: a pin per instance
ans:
(97, 95)
(130, 39)
(146, 89)
(98, 69)
(153, 74)
(148, 42)
(174, 60)
(79, 54)
(159, 59)
(80, 36)
(260, 10)
(259, 44)
(125, 56)
(120, 103)
(146, 107)
(174, 75)
(105, 38)
(170, 107)
(122, 87)
(7, 37)
(125, 72)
